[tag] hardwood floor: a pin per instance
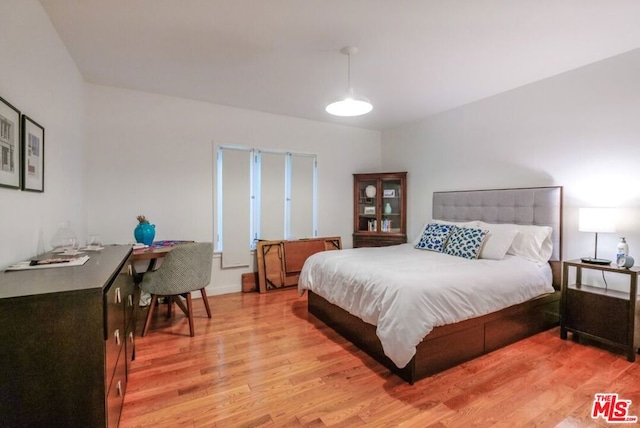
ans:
(262, 361)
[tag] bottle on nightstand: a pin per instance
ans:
(622, 252)
(622, 247)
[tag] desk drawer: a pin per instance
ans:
(118, 307)
(115, 394)
(114, 327)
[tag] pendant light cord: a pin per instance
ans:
(348, 71)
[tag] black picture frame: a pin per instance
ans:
(10, 146)
(32, 155)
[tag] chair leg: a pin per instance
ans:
(190, 310)
(152, 306)
(169, 306)
(179, 303)
(205, 299)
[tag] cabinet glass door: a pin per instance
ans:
(368, 197)
(391, 216)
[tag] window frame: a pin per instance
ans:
(255, 192)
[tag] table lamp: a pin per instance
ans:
(598, 220)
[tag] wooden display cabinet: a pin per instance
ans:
(379, 209)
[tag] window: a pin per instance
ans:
(263, 195)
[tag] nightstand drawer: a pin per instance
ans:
(598, 315)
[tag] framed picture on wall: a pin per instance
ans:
(10, 148)
(32, 155)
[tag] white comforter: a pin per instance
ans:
(407, 292)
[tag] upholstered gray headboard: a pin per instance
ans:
(540, 206)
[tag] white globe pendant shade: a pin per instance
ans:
(350, 105)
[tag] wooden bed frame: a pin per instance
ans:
(453, 344)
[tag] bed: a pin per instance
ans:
(339, 295)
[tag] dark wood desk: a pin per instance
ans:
(67, 340)
(155, 251)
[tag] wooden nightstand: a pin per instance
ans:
(604, 315)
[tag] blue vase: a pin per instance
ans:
(144, 233)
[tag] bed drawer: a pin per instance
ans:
(540, 316)
(441, 353)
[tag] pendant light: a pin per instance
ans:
(350, 105)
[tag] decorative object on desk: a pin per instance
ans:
(598, 220)
(624, 261)
(64, 240)
(94, 243)
(370, 191)
(387, 208)
(10, 173)
(32, 155)
(40, 249)
(144, 232)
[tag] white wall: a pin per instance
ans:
(154, 155)
(39, 78)
(580, 130)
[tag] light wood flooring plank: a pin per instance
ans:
(262, 361)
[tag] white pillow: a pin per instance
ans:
(469, 224)
(497, 241)
(531, 243)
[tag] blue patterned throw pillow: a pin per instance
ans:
(434, 237)
(465, 242)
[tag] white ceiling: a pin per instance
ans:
(416, 57)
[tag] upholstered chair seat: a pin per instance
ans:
(185, 269)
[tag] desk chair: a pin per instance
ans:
(186, 268)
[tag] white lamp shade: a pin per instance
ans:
(597, 220)
(350, 106)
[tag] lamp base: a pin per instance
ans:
(594, 261)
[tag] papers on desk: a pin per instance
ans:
(53, 262)
(91, 248)
(64, 252)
